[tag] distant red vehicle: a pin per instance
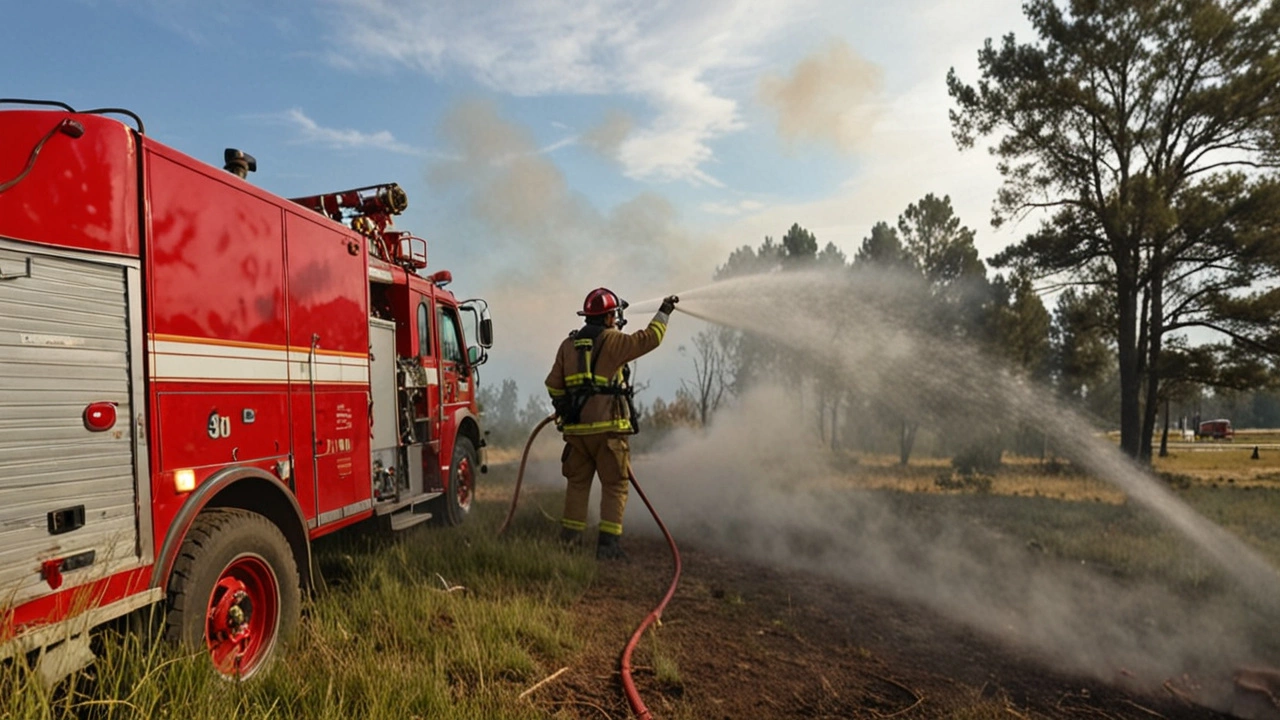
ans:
(1216, 430)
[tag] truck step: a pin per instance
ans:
(61, 660)
(409, 517)
(404, 504)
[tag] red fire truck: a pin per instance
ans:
(198, 378)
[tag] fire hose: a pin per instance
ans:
(524, 459)
(655, 615)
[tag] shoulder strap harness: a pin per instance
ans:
(585, 383)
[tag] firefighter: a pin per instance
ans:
(591, 391)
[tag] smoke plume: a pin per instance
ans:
(829, 98)
(546, 245)
(607, 137)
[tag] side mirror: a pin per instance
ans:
(486, 332)
(473, 355)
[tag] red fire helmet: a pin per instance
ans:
(601, 301)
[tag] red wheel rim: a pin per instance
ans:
(466, 482)
(243, 615)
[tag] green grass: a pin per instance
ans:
(665, 667)
(385, 637)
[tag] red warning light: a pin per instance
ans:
(51, 572)
(100, 416)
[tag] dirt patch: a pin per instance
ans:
(742, 641)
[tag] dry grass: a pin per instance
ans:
(1071, 515)
(1017, 476)
(1230, 463)
(1208, 464)
(503, 455)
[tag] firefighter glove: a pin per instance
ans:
(561, 406)
(668, 304)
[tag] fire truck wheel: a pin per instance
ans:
(454, 506)
(234, 590)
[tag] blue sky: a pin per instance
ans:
(552, 146)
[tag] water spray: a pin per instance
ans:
(872, 334)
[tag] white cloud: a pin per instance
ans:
(312, 132)
(561, 143)
(731, 208)
(673, 55)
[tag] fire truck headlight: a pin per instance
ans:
(184, 481)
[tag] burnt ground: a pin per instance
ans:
(751, 642)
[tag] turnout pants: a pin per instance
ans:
(585, 456)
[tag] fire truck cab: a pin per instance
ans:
(198, 378)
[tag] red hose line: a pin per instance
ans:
(524, 458)
(629, 685)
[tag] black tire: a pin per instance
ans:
(234, 591)
(454, 506)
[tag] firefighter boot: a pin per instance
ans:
(570, 538)
(608, 547)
